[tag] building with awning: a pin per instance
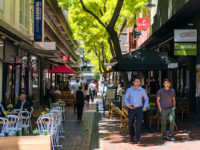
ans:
(179, 18)
(24, 63)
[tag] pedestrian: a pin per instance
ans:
(86, 92)
(74, 88)
(166, 102)
(93, 89)
(79, 103)
(134, 101)
(57, 91)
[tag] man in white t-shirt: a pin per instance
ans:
(93, 89)
(75, 87)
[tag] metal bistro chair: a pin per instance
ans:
(13, 124)
(3, 126)
(25, 120)
(45, 122)
(15, 111)
(62, 104)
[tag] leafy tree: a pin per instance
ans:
(101, 22)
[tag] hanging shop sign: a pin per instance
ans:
(186, 35)
(65, 58)
(185, 49)
(143, 23)
(38, 21)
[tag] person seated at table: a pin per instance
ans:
(2, 111)
(23, 104)
(57, 91)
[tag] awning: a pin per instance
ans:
(145, 59)
(62, 69)
(182, 17)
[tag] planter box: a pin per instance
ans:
(25, 143)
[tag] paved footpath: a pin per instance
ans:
(81, 135)
(187, 138)
(98, 132)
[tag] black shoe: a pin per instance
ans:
(165, 138)
(132, 139)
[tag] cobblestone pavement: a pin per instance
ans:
(81, 135)
(187, 137)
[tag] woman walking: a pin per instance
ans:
(79, 103)
(86, 92)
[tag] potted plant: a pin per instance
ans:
(10, 107)
(45, 132)
(25, 133)
(35, 132)
(17, 133)
(6, 134)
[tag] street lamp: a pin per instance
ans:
(149, 4)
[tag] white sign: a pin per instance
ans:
(173, 65)
(187, 35)
(49, 45)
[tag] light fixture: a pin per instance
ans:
(149, 4)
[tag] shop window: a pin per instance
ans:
(2, 4)
(24, 13)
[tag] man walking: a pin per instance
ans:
(93, 89)
(166, 102)
(134, 101)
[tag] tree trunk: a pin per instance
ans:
(115, 39)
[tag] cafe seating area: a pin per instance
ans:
(17, 126)
(152, 115)
(66, 97)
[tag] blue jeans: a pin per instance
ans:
(92, 95)
(138, 114)
(88, 98)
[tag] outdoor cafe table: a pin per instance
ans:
(54, 121)
(9, 122)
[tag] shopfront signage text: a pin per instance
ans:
(65, 58)
(185, 49)
(38, 21)
(143, 23)
(185, 35)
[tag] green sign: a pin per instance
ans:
(185, 49)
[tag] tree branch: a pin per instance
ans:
(116, 14)
(105, 6)
(111, 47)
(91, 13)
(123, 26)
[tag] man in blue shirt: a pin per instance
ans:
(134, 101)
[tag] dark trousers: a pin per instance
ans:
(92, 95)
(132, 114)
(79, 111)
(88, 98)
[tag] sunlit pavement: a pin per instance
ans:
(98, 132)
(81, 135)
(187, 138)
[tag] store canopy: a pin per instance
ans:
(62, 69)
(145, 59)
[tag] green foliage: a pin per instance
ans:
(86, 28)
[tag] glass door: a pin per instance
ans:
(12, 80)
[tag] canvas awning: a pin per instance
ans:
(145, 59)
(62, 69)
